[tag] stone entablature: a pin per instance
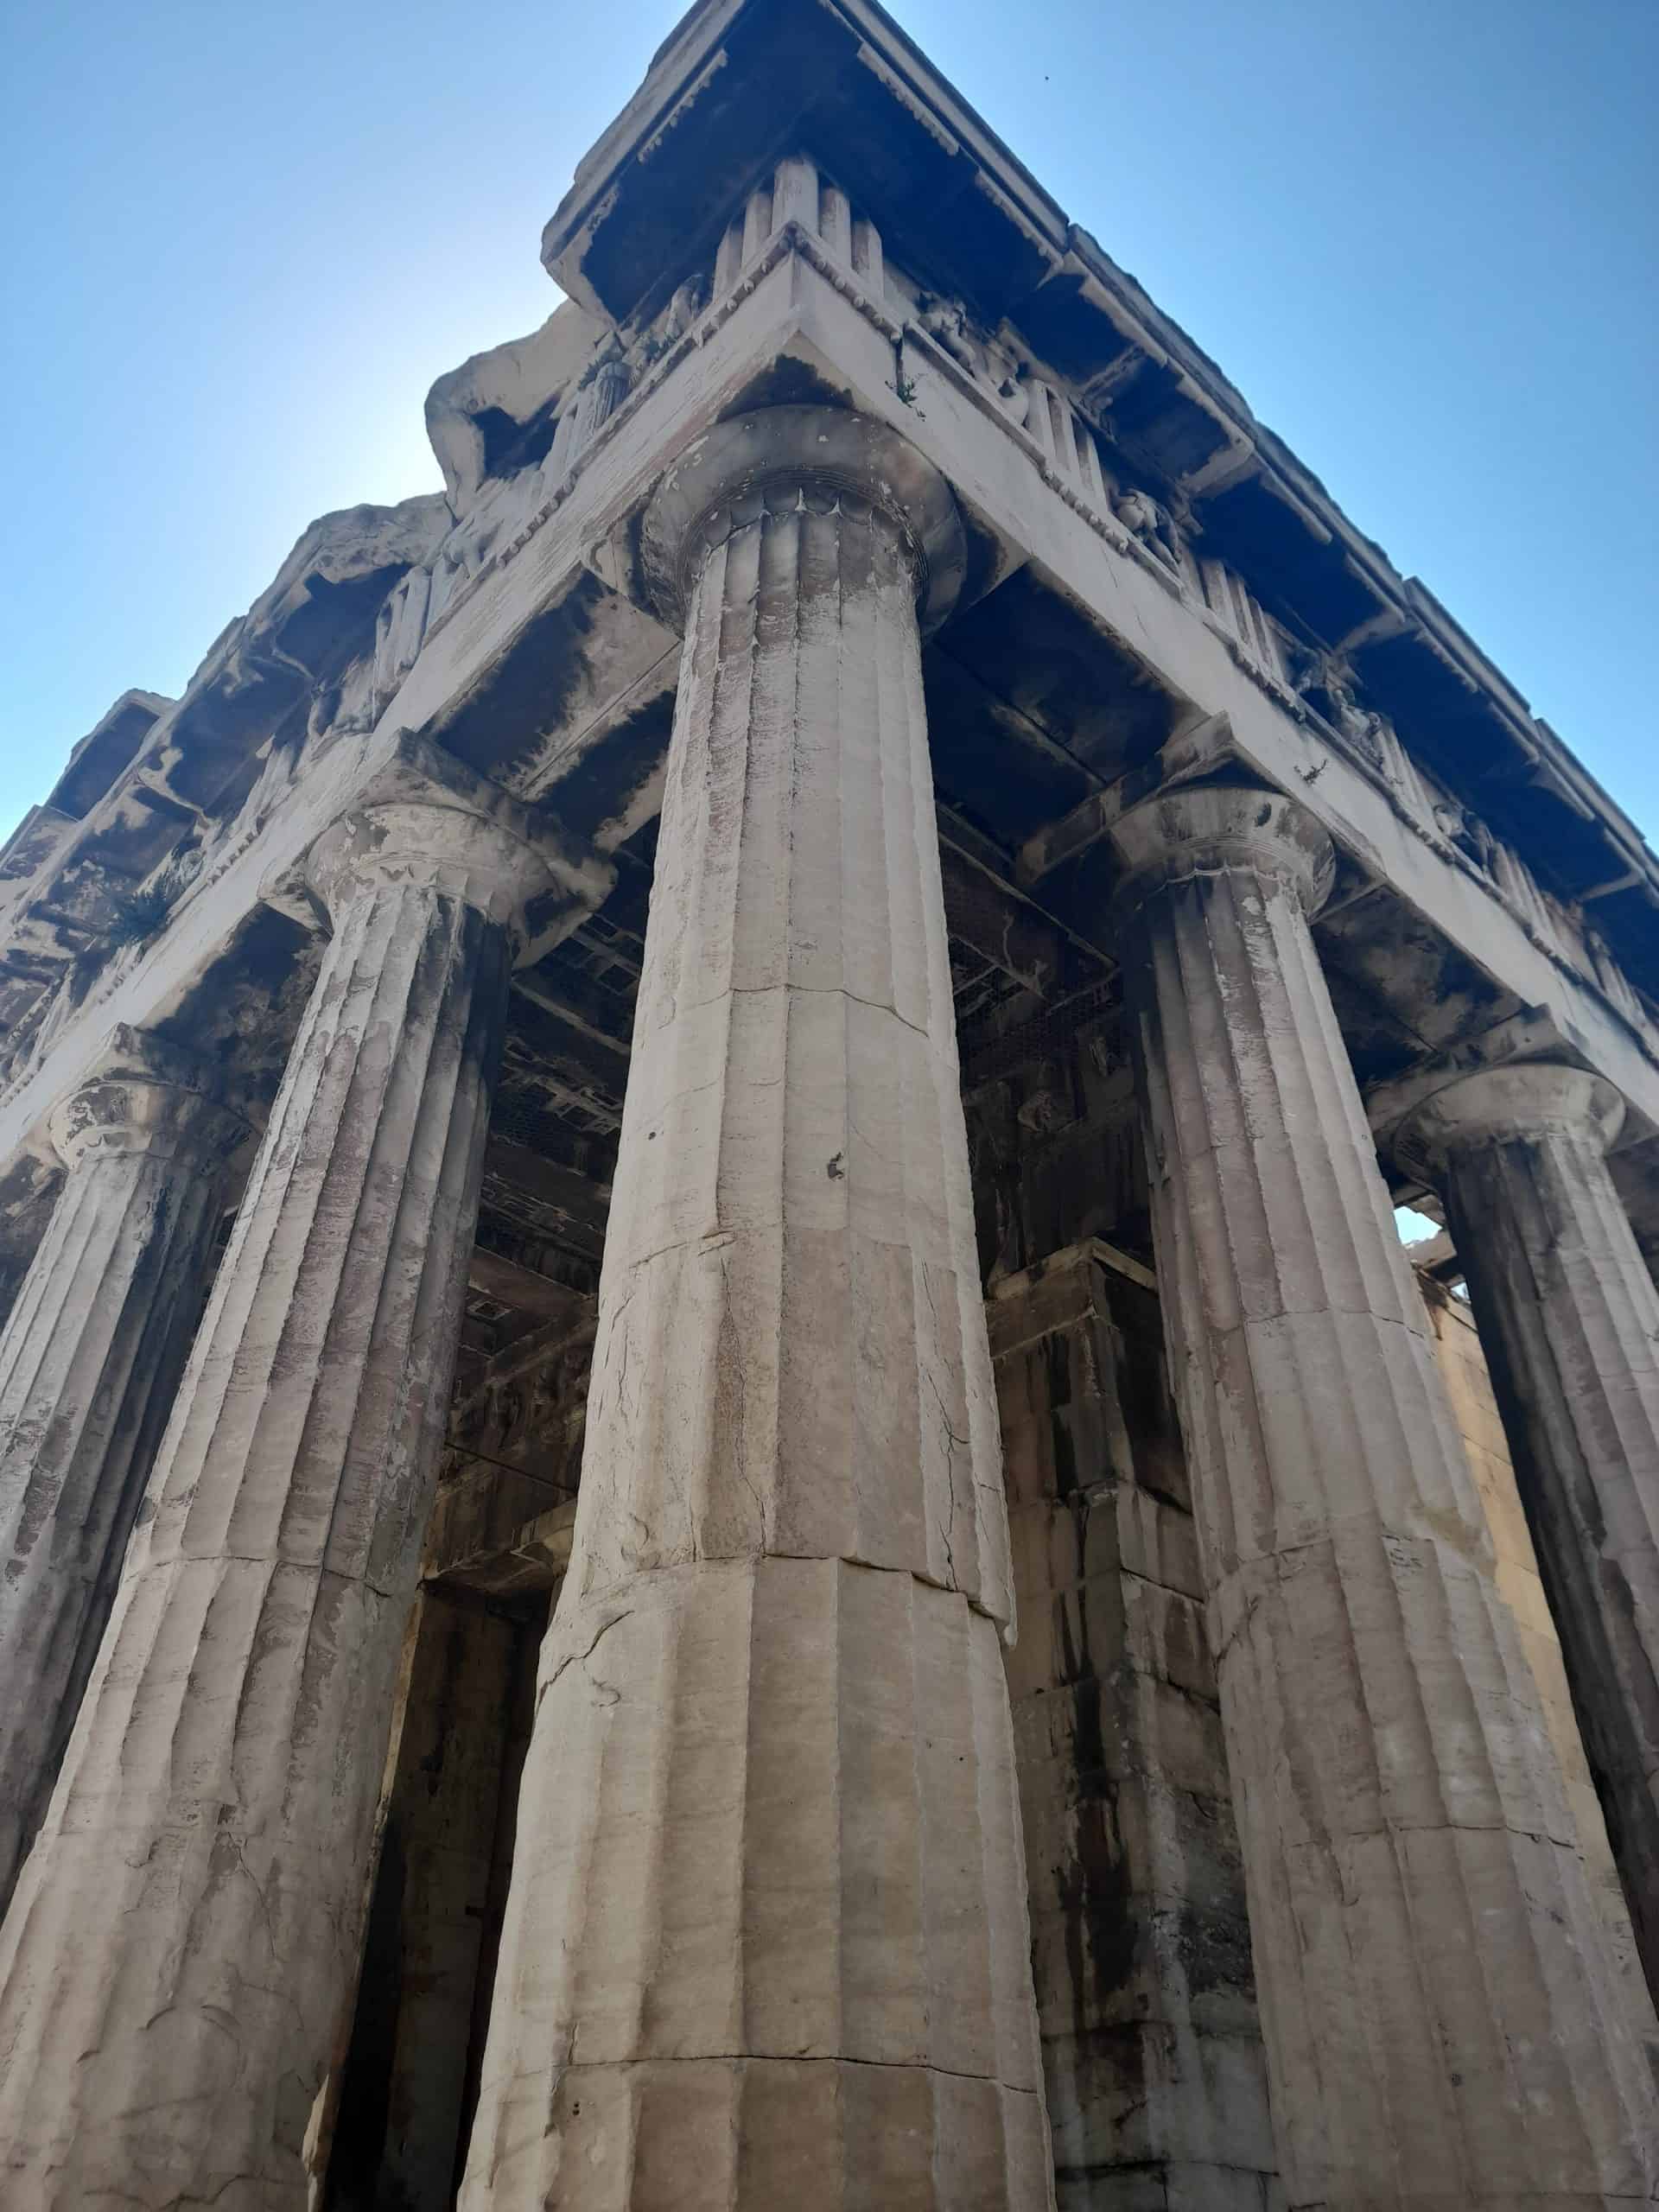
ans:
(799, 217)
(156, 795)
(858, 642)
(949, 197)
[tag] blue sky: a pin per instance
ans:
(1422, 235)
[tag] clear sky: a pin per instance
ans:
(1420, 236)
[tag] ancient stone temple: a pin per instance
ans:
(776, 1034)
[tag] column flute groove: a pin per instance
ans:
(1568, 1315)
(767, 1941)
(176, 1976)
(1444, 2020)
(89, 1361)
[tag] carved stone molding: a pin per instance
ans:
(90, 1359)
(1569, 1316)
(1500, 1105)
(426, 818)
(816, 456)
(149, 1096)
(1203, 828)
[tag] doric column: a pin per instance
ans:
(1445, 2025)
(89, 1361)
(176, 1970)
(1569, 1318)
(768, 1940)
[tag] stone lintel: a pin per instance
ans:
(1059, 1282)
(26, 851)
(149, 1058)
(534, 1559)
(495, 1275)
(1202, 749)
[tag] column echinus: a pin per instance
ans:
(1569, 1318)
(177, 1967)
(766, 1942)
(90, 1359)
(1444, 2019)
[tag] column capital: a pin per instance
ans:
(426, 819)
(146, 1094)
(780, 458)
(1502, 1105)
(1197, 829)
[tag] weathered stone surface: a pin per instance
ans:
(1155, 590)
(1474, 1407)
(767, 1936)
(1152, 2050)
(494, 396)
(778, 1843)
(1569, 1315)
(160, 782)
(1444, 2020)
(89, 1361)
(175, 1970)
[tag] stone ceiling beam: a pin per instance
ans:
(494, 1274)
(582, 1201)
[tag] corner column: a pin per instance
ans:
(1569, 1318)
(176, 1972)
(767, 1941)
(89, 1361)
(1444, 2020)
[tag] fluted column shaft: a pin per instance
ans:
(177, 1967)
(89, 1361)
(1443, 2019)
(1568, 1317)
(767, 1941)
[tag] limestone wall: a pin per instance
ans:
(1153, 2060)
